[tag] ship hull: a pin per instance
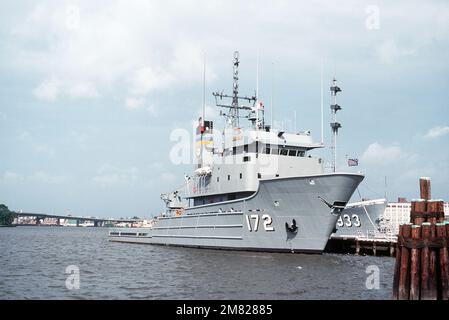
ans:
(362, 220)
(257, 223)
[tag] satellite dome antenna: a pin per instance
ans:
(334, 124)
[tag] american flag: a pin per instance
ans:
(353, 162)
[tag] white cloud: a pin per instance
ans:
(389, 51)
(145, 46)
(152, 110)
(24, 136)
(134, 103)
(40, 177)
(44, 177)
(48, 90)
(146, 79)
(82, 90)
(109, 175)
(380, 155)
(167, 177)
(45, 149)
(88, 49)
(10, 176)
(436, 132)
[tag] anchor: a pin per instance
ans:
(291, 228)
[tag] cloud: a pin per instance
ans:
(146, 79)
(436, 132)
(380, 155)
(134, 103)
(45, 149)
(389, 51)
(152, 110)
(109, 175)
(167, 177)
(87, 50)
(48, 90)
(44, 177)
(82, 90)
(40, 177)
(10, 176)
(24, 136)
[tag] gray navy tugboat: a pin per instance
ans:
(253, 188)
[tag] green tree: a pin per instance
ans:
(6, 216)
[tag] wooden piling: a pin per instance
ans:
(422, 256)
(404, 272)
(436, 209)
(418, 211)
(424, 187)
(426, 293)
(415, 265)
(397, 266)
(444, 261)
(433, 280)
(440, 210)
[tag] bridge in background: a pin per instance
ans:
(98, 222)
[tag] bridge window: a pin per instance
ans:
(246, 158)
(301, 153)
(283, 152)
(234, 150)
(245, 148)
(267, 148)
(292, 153)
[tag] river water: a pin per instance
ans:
(34, 261)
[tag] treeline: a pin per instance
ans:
(6, 216)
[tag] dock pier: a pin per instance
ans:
(385, 246)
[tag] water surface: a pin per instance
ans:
(33, 261)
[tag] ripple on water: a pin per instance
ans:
(36, 259)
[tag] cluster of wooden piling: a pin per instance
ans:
(421, 270)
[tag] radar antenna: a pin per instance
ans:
(233, 115)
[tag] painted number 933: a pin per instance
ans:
(349, 221)
(252, 222)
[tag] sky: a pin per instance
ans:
(92, 91)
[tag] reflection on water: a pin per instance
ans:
(33, 262)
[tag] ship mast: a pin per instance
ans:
(334, 124)
(234, 111)
(233, 115)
